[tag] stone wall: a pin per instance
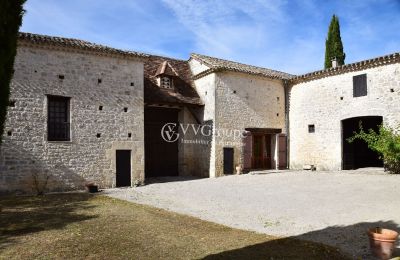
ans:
(26, 151)
(194, 146)
(244, 101)
(205, 87)
(327, 101)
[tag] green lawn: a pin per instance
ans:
(79, 225)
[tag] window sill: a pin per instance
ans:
(60, 142)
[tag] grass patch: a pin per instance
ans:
(79, 225)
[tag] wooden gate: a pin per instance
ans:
(161, 157)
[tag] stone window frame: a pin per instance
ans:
(68, 138)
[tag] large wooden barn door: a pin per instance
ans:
(161, 157)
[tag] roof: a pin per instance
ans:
(183, 91)
(73, 44)
(217, 64)
(166, 69)
(356, 66)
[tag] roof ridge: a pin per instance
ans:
(75, 43)
(238, 66)
(358, 65)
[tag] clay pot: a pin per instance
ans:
(382, 242)
(238, 169)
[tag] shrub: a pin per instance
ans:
(386, 142)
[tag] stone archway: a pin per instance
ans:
(357, 154)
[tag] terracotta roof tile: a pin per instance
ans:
(166, 69)
(60, 42)
(217, 64)
(356, 66)
(183, 92)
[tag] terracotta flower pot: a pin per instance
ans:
(238, 169)
(382, 242)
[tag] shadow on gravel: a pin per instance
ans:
(348, 239)
(24, 215)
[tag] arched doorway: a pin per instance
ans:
(357, 154)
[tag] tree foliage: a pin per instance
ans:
(386, 142)
(333, 44)
(11, 12)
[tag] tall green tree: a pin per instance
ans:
(11, 12)
(333, 44)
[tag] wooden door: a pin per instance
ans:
(267, 152)
(123, 168)
(258, 153)
(261, 151)
(282, 146)
(228, 160)
(161, 157)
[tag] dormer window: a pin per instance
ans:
(166, 82)
(165, 75)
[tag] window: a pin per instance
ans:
(360, 85)
(166, 82)
(311, 128)
(58, 118)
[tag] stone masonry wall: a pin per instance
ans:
(245, 101)
(205, 87)
(319, 102)
(85, 158)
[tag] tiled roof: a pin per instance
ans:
(356, 66)
(166, 69)
(74, 44)
(217, 64)
(183, 92)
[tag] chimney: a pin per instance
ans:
(334, 63)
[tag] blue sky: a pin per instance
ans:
(286, 35)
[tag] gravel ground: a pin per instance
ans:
(335, 208)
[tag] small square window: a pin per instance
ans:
(132, 84)
(98, 135)
(311, 128)
(392, 90)
(61, 76)
(99, 81)
(125, 109)
(100, 107)
(129, 135)
(9, 133)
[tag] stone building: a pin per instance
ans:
(81, 112)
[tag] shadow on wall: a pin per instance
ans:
(23, 172)
(25, 215)
(352, 240)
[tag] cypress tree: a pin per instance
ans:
(333, 44)
(11, 12)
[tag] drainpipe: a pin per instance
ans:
(286, 86)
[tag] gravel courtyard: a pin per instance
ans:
(335, 208)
